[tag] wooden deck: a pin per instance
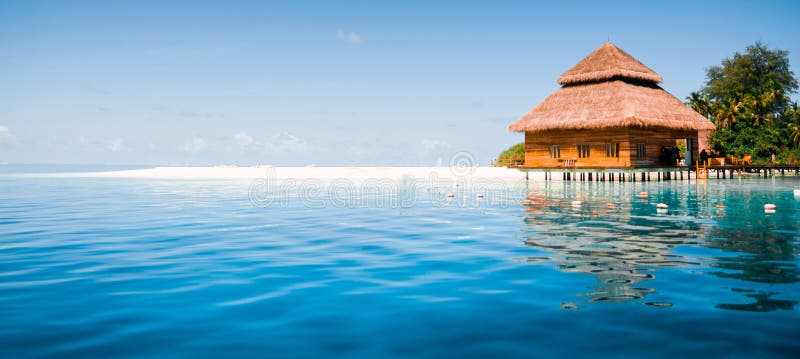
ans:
(662, 173)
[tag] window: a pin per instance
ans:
(640, 150)
(583, 151)
(612, 150)
(555, 151)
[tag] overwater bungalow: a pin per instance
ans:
(610, 113)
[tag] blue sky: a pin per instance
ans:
(328, 83)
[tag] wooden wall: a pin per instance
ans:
(537, 147)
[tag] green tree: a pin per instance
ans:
(513, 152)
(748, 99)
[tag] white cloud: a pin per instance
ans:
(91, 88)
(6, 138)
(117, 145)
(243, 139)
(349, 37)
(430, 145)
(285, 142)
(195, 145)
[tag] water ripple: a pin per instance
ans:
(100, 268)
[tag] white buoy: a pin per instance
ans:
(576, 203)
(661, 210)
(662, 206)
(797, 193)
(770, 207)
(769, 211)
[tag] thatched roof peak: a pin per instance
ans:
(606, 63)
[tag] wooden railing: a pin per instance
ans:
(745, 160)
(511, 162)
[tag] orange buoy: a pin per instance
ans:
(611, 205)
(643, 194)
(770, 207)
(720, 206)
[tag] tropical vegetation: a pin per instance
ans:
(513, 152)
(748, 97)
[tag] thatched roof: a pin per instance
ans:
(609, 88)
(605, 63)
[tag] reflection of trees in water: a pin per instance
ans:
(766, 255)
(762, 257)
(763, 302)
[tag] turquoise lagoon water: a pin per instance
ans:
(145, 268)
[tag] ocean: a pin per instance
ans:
(114, 267)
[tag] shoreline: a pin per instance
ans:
(322, 173)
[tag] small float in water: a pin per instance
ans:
(770, 208)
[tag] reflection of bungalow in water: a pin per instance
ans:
(609, 113)
(619, 266)
(616, 245)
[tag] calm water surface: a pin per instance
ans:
(145, 268)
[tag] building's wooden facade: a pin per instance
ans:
(608, 148)
(610, 113)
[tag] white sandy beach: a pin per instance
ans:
(323, 173)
